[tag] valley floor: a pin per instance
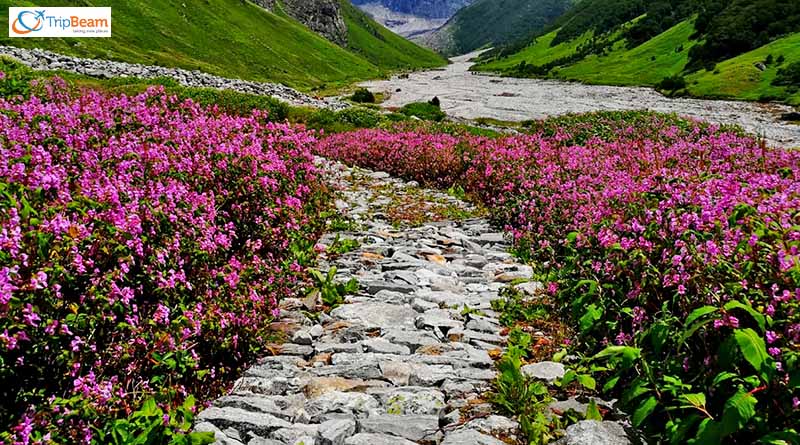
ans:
(468, 95)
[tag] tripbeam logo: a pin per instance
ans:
(59, 22)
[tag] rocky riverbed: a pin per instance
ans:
(467, 95)
(46, 60)
(400, 362)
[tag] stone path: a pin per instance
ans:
(410, 358)
(398, 363)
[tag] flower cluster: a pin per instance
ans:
(676, 238)
(144, 246)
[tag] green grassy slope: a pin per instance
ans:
(231, 38)
(382, 47)
(665, 55)
(537, 53)
(647, 64)
(739, 78)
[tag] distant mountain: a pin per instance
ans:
(744, 49)
(411, 17)
(493, 22)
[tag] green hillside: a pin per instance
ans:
(740, 78)
(646, 64)
(232, 38)
(382, 47)
(698, 54)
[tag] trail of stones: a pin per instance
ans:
(399, 362)
(409, 358)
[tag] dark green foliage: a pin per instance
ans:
(732, 27)
(501, 22)
(423, 110)
(363, 95)
(672, 84)
(788, 76)
(435, 102)
(601, 16)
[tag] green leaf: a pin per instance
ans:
(754, 350)
(644, 410)
(722, 377)
(699, 312)
(737, 412)
(785, 437)
(592, 314)
(592, 412)
(659, 333)
(610, 384)
(696, 401)
(587, 381)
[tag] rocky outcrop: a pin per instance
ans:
(321, 16)
(46, 60)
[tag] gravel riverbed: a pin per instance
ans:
(467, 95)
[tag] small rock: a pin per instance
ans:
(376, 439)
(334, 432)
(471, 437)
(593, 432)
(547, 371)
(302, 337)
(383, 346)
(415, 427)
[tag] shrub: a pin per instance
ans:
(672, 83)
(788, 76)
(363, 95)
(423, 110)
(145, 244)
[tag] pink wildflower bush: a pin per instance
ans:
(145, 244)
(671, 245)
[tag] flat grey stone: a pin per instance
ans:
(593, 432)
(295, 349)
(261, 385)
(376, 314)
(373, 287)
(322, 348)
(424, 401)
(242, 421)
(471, 437)
(258, 440)
(494, 425)
(547, 371)
(294, 432)
(334, 432)
(376, 439)
(422, 305)
(352, 403)
(411, 338)
(383, 346)
(415, 428)
(278, 406)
